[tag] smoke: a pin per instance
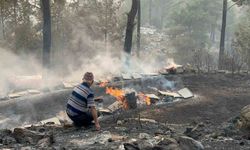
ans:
(12, 65)
(10, 121)
(83, 54)
(104, 65)
(105, 61)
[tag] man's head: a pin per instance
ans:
(89, 78)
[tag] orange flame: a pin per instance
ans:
(119, 95)
(145, 98)
(103, 84)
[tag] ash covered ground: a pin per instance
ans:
(206, 121)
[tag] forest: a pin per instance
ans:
(166, 74)
(82, 27)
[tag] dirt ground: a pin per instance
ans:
(217, 99)
(209, 114)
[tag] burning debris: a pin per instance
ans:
(129, 100)
(125, 98)
(29, 85)
(144, 98)
(124, 95)
(118, 94)
(152, 97)
(172, 69)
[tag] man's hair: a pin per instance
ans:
(88, 76)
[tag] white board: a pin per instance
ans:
(185, 93)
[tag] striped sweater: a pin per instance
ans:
(80, 100)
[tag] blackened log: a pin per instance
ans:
(131, 100)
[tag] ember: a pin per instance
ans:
(145, 98)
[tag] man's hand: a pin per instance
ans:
(97, 126)
(94, 114)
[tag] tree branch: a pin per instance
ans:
(233, 5)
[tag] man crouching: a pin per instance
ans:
(81, 106)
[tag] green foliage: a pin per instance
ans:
(242, 2)
(241, 42)
(191, 25)
(20, 30)
(102, 17)
(74, 25)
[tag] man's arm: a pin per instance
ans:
(91, 105)
(94, 114)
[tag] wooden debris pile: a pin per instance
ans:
(132, 100)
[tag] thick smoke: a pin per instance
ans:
(12, 65)
(104, 65)
(69, 64)
(105, 61)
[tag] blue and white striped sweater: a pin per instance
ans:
(80, 100)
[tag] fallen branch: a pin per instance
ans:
(143, 119)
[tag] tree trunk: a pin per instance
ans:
(139, 29)
(2, 19)
(15, 14)
(106, 26)
(130, 27)
(223, 33)
(15, 19)
(212, 33)
(46, 32)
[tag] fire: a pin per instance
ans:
(172, 66)
(145, 98)
(118, 94)
(103, 84)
